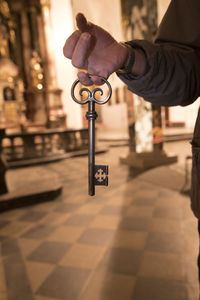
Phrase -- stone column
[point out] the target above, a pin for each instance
(53, 93)
(26, 46)
(49, 47)
(140, 22)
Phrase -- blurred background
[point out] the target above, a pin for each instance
(137, 239)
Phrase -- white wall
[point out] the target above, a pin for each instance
(106, 14)
(62, 26)
(185, 114)
(101, 12)
(162, 7)
(115, 116)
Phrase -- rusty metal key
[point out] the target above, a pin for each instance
(97, 174)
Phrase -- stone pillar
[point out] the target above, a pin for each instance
(49, 49)
(53, 93)
(43, 97)
(26, 46)
(140, 22)
(36, 104)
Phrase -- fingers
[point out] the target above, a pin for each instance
(70, 44)
(96, 80)
(79, 57)
(76, 47)
(82, 23)
(85, 79)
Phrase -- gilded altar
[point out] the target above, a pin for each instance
(29, 95)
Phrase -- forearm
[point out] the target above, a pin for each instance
(171, 76)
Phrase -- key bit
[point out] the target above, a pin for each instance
(101, 175)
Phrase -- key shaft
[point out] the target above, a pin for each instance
(91, 116)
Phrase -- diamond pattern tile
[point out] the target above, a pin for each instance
(49, 252)
(134, 240)
(65, 283)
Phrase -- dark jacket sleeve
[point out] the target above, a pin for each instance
(173, 71)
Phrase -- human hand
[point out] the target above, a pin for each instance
(93, 49)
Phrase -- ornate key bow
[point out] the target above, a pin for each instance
(97, 174)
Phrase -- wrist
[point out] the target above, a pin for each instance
(128, 59)
(139, 65)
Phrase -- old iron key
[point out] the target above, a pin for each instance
(97, 174)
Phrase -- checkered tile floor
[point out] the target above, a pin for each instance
(133, 241)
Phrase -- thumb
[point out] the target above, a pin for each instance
(82, 23)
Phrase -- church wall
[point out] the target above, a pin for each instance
(162, 7)
(107, 14)
(62, 26)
